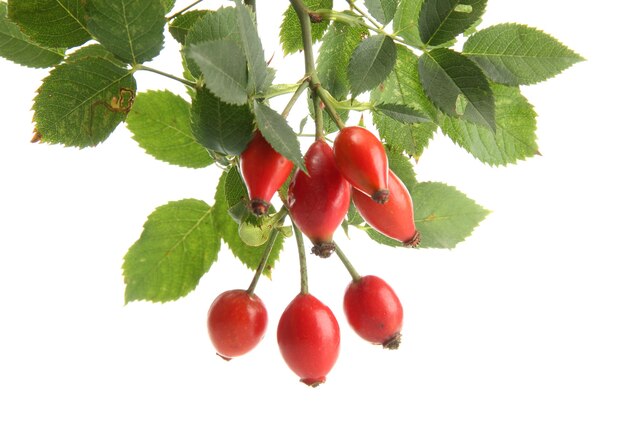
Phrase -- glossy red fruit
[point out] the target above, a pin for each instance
(393, 219)
(361, 158)
(319, 201)
(374, 311)
(237, 322)
(308, 338)
(263, 170)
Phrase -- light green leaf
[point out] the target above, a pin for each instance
(278, 133)
(131, 29)
(445, 74)
(402, 166)
(179, 27)
(251, 43)
(80, 103)
(17, 47)
(51, 23)
(219, 126)
(160, 122)
(178, 245)
(230, 185)
(514, 138)
(224, 68)
(382, 10)
(402, 113)
(371, 63)
(291, 32)
(440, 21)
(515, 54)
(405, 22)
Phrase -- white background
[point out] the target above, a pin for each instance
(519, 331)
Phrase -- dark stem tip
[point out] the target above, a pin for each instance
(414, 240)
(259, 207)
(393, 342)
(313, 382)
(223, 357)
(323, 250)
(381, 196)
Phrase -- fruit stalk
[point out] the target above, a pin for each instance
(346, 262)
(304, 278)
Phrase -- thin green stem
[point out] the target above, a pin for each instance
(280, 218)
(346, 262)
(319, 117)
(304, 278)
(278, 90)
(182, 11)
(303, 85)
(329, 106)
(170, 76)
(364, 14)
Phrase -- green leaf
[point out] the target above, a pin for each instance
(382, 10)
(291, 32)
(180, 26)
(402, 166)
(514, 138)
(131, 29)
(160, 122)
(446, 74)
(80, 103)
(219, 126)
(94, 51)
(213, 26)
(168, 5)
(224, 68)
(337, 47)
(257, 67)
(51, 23)
(371, 63)
(515, 54)
(230, 182)
(403, 87)
(443, 215)
(178, 245)
(440, 21)
(278, 133)
(17, 47)
(402, 113)
(405, 22)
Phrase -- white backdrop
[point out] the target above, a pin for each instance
(519, 331)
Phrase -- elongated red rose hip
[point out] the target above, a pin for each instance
(374, 311)
(319, 201)
(308, 338)
(393, 219)
(263, 170)
(362, 160)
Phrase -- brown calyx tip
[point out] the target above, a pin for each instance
(414, 240)
(223, 357)
(313, 382)
(259, 207)
(381, 196)
(393, 343)
(323, 250)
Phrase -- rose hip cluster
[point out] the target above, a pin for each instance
(318, 201)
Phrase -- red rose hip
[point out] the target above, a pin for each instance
(374, 311)
(362, 160)
(393, 219)
(319, 201)
(237, 322)
(308, 338)
(263, 170)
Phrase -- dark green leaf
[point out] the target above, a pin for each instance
(131, 29)
(218, 126)
(447, 76)
(80, 103)
(278, 133)
(515, 54)
(257, 67)
(291, 32)
(514, 138)
(94, 51)
(179, 27)
(402, 113)
(230, 183)
(178, 245)
(405, 21)
(234, 189)
(382, 10)
(371, 63)
(168, 5)
(224, 68)
(440, 21)
(160, 122)
(17, 47)
(51, 23)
